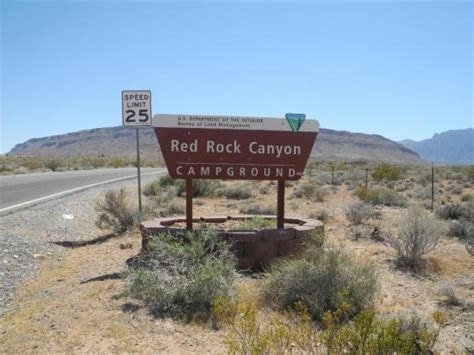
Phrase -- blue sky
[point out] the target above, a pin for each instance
(402, 69)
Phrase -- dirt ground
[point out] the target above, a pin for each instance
(77, 303)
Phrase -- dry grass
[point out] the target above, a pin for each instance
(57, 311)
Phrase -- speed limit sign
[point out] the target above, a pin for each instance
(136, 108)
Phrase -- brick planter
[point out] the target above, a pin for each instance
(251, 247)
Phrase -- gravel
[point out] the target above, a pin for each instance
(26, 235)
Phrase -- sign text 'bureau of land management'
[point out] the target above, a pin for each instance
(241, 148)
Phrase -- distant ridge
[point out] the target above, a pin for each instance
(455, 147)
(120, 142)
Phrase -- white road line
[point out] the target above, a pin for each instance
(73, 190)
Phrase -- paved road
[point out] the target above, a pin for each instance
(18, 191)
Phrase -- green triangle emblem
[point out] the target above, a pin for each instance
(295, 120)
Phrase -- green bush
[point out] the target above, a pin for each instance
(290, 333)
(114, 212)
(184, 275)
(418, 232)
(381, 196)
(158, 185)
(256, 223)
(237, 192)
(317, 279)
(386, 172)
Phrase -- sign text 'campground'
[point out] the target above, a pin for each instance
(242, 148)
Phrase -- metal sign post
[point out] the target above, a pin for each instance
(136, 112)
(139, 174)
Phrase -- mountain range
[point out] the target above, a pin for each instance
(455, 147)
(120, 142)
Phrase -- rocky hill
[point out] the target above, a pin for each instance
(120, 142)
(454, 147)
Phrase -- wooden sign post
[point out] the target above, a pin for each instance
(189, 204)
(235, 148)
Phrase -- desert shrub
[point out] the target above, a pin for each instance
(368, 334)
(470, 172)
(470, 246)
(185, 274)
(247, 335)
(114, 212)
(320, 177)
(117, 163)
(305, 189)
(33, 164)
(158, 185)
(152, 189)
(320, 214)
(469, 211)
(386, 172)
(467, 197)
(450, 297)
(264, 189)
(418, 232)
(201, 188)
(321, 193)
(451, 211)
(294, 205)
(169, 193)
(455, 189)
(52, 164)
(173, 207)
(316, 280)
(461, 229)
(381, 196)
(237, 192)
(359, 213)
(295, 332)
(354, 177)
(21, 170)
(255, 208)
(423, 178)
(423, 193)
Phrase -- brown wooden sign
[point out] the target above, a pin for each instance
(237, 148)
